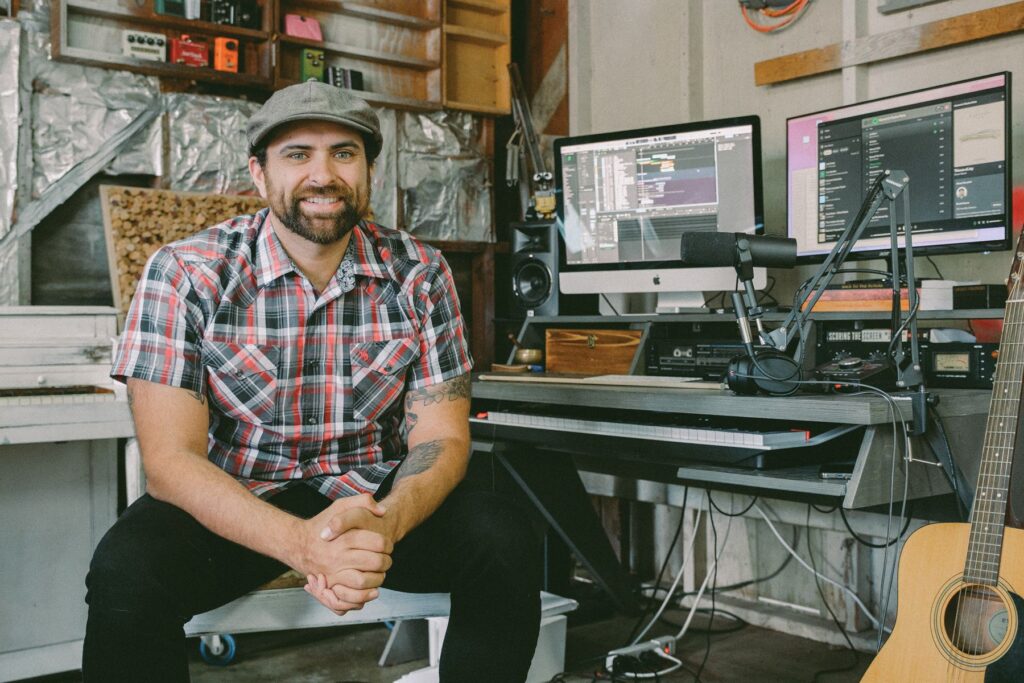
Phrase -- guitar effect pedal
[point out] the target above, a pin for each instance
(225, 54)
(345, 78)
(244, 13)
(142, 45)
(312, 65)
(186, 51)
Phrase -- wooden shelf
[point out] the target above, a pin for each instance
(354, 9)
(476, 54)
(476, 107)
(163, 69)
(382, 99)
(488, 6)
(453, 52)
(388, 58)
(107, 11)
(476, 35)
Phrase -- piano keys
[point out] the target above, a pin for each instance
(54, 382)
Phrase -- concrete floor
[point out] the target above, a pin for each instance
(349, 655)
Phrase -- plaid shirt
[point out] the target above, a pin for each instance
(301, 387)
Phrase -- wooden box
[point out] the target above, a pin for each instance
(590, 352)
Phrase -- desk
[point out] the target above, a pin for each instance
(547, 471)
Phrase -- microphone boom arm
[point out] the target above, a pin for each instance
(888, 185)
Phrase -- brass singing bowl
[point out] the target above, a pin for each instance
(529, 356)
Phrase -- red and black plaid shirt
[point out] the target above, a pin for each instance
(301, 387)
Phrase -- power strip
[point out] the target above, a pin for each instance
(666, 644)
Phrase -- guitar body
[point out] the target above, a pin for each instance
(947, 630)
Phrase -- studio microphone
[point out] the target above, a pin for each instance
(723, 249)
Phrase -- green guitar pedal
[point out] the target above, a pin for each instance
(311, 66)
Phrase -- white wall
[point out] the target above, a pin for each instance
(650, 62)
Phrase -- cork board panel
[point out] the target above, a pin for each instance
(138, 221)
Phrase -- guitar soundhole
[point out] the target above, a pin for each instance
(976, 620)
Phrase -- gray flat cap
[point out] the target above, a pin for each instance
(316, 101)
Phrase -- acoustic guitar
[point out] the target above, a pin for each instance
(960, 585)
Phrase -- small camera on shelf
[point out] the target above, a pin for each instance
(143, 45)
(190, 52)
(311, 66)
(225, 54)
(345, 78)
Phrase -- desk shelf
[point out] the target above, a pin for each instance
(837, 408)
(792, 480)
(963, 411)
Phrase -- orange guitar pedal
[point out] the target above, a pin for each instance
(225, 54)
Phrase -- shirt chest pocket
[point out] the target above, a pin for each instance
(378, 375)
(242, 380)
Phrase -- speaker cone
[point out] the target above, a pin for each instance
(531, 283)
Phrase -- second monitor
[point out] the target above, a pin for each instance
(625, 199)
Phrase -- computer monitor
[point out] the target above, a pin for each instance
(952, 140)
(625, 198)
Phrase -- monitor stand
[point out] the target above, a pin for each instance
(681, 302)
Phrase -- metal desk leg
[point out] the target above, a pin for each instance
(554, 486)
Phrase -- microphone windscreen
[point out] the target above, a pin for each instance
(708, 248)
(772, 252)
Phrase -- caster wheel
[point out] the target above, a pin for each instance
(219, 652)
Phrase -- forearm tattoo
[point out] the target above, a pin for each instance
(420, 459)
(452, 390)
(199, 396)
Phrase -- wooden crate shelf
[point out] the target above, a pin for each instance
(391, 59)
(138, 17)
(396, 44)
(475, 35)
(165, 70)
(413, 54)
(368, 12)
(382, 99)
(476, 55)
(69, 18)
(488, 6)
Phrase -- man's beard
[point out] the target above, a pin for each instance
(352, 212)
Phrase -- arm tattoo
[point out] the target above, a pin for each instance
(452, 390)
(420, 459)
(199, 396)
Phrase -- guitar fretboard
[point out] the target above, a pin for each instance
(989, 512)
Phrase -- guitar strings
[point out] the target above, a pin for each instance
(990, 502)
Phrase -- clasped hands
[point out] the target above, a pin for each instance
(347, 550)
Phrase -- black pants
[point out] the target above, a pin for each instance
(157, 567)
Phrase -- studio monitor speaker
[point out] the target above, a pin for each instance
(531, 280)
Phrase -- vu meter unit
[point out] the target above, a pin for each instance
(143, 45)
(959, 365)
(225, 54)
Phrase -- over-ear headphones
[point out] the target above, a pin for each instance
(768, 371)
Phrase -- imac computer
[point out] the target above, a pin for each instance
(626, 198)
(953, 141)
